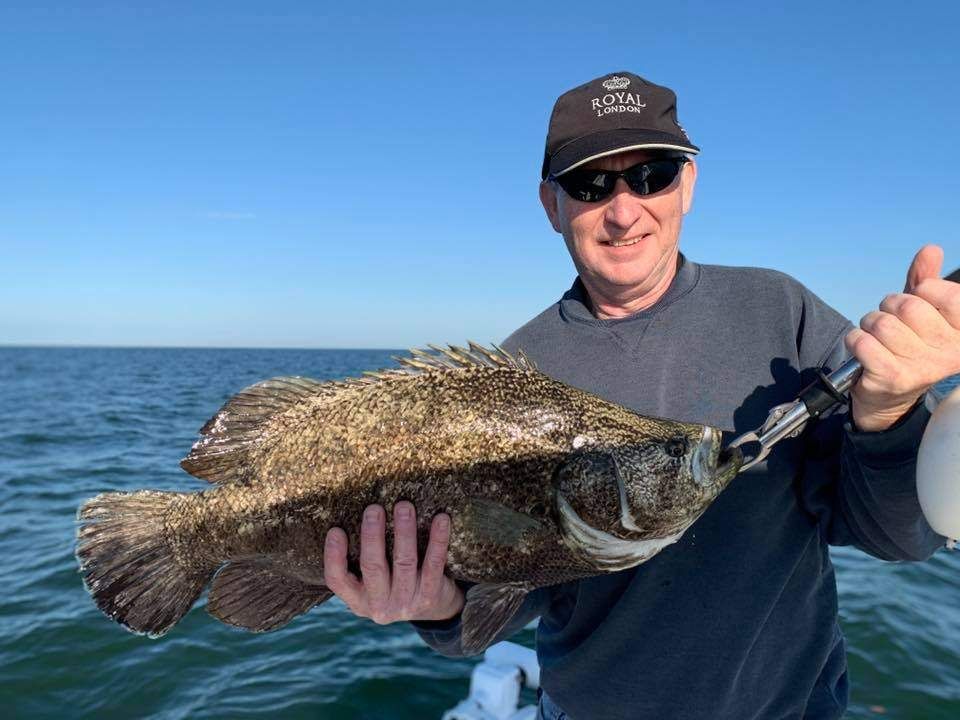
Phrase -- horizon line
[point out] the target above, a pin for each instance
(84, 346)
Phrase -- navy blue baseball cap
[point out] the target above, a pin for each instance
(611, 114)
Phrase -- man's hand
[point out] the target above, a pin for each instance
(908, 345)
(403, 594)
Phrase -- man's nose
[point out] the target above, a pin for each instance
(623, 206)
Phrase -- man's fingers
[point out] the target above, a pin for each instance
(918, 314)
(927, 264)
(892, 333)
(435, 559)
(373, 559)
(409, 594)
(944, 295)
(869, 351)
(335, 574)
(404, 556)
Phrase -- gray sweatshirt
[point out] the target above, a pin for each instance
(739, 618)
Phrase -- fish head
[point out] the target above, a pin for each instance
(644, 490)
(668, 480)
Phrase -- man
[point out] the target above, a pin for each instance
(739, 618)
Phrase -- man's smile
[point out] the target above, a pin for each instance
(625, 242)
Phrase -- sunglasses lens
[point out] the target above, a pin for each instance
(644, 179)
(588, 185)
(652, 177)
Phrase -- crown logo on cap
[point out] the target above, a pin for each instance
(616, 83)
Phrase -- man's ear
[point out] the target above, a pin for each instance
(688, 180)
(548, 198)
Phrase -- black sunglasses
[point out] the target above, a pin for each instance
(643, 178)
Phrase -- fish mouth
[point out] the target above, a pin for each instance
(705, 457)
(713, 465)
(728, 465)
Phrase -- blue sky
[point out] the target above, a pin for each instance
(365, 175)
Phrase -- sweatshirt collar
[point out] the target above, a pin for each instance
(575, 305)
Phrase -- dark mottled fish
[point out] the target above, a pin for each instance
(544, 483)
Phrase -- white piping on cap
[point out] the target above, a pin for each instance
(645, 146)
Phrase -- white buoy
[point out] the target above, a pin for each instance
(938, 468)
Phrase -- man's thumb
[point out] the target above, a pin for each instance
(926, 264)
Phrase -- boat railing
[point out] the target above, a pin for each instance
(495, 685)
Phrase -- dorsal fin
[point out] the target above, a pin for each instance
(454, 357)
(243, 423)
(227, 437)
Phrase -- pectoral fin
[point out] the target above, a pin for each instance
(489, 607)
(494, 522)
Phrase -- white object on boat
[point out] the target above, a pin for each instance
(938, 466)
(495, 685)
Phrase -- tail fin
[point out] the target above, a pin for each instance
(128, 563)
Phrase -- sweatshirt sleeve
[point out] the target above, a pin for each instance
(444, 635)
(862, 486)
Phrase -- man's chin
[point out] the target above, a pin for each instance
(626, 275)
(626, 279)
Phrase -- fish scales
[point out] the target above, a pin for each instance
(544, 483)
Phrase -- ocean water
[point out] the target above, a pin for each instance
(76, 422)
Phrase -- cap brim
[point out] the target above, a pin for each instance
(596, 145)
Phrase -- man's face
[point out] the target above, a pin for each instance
(625, 244)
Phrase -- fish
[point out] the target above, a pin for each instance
(544, 483)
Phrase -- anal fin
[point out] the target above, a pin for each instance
(488, 609)
(255, 596)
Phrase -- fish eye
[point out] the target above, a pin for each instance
(676, 447)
